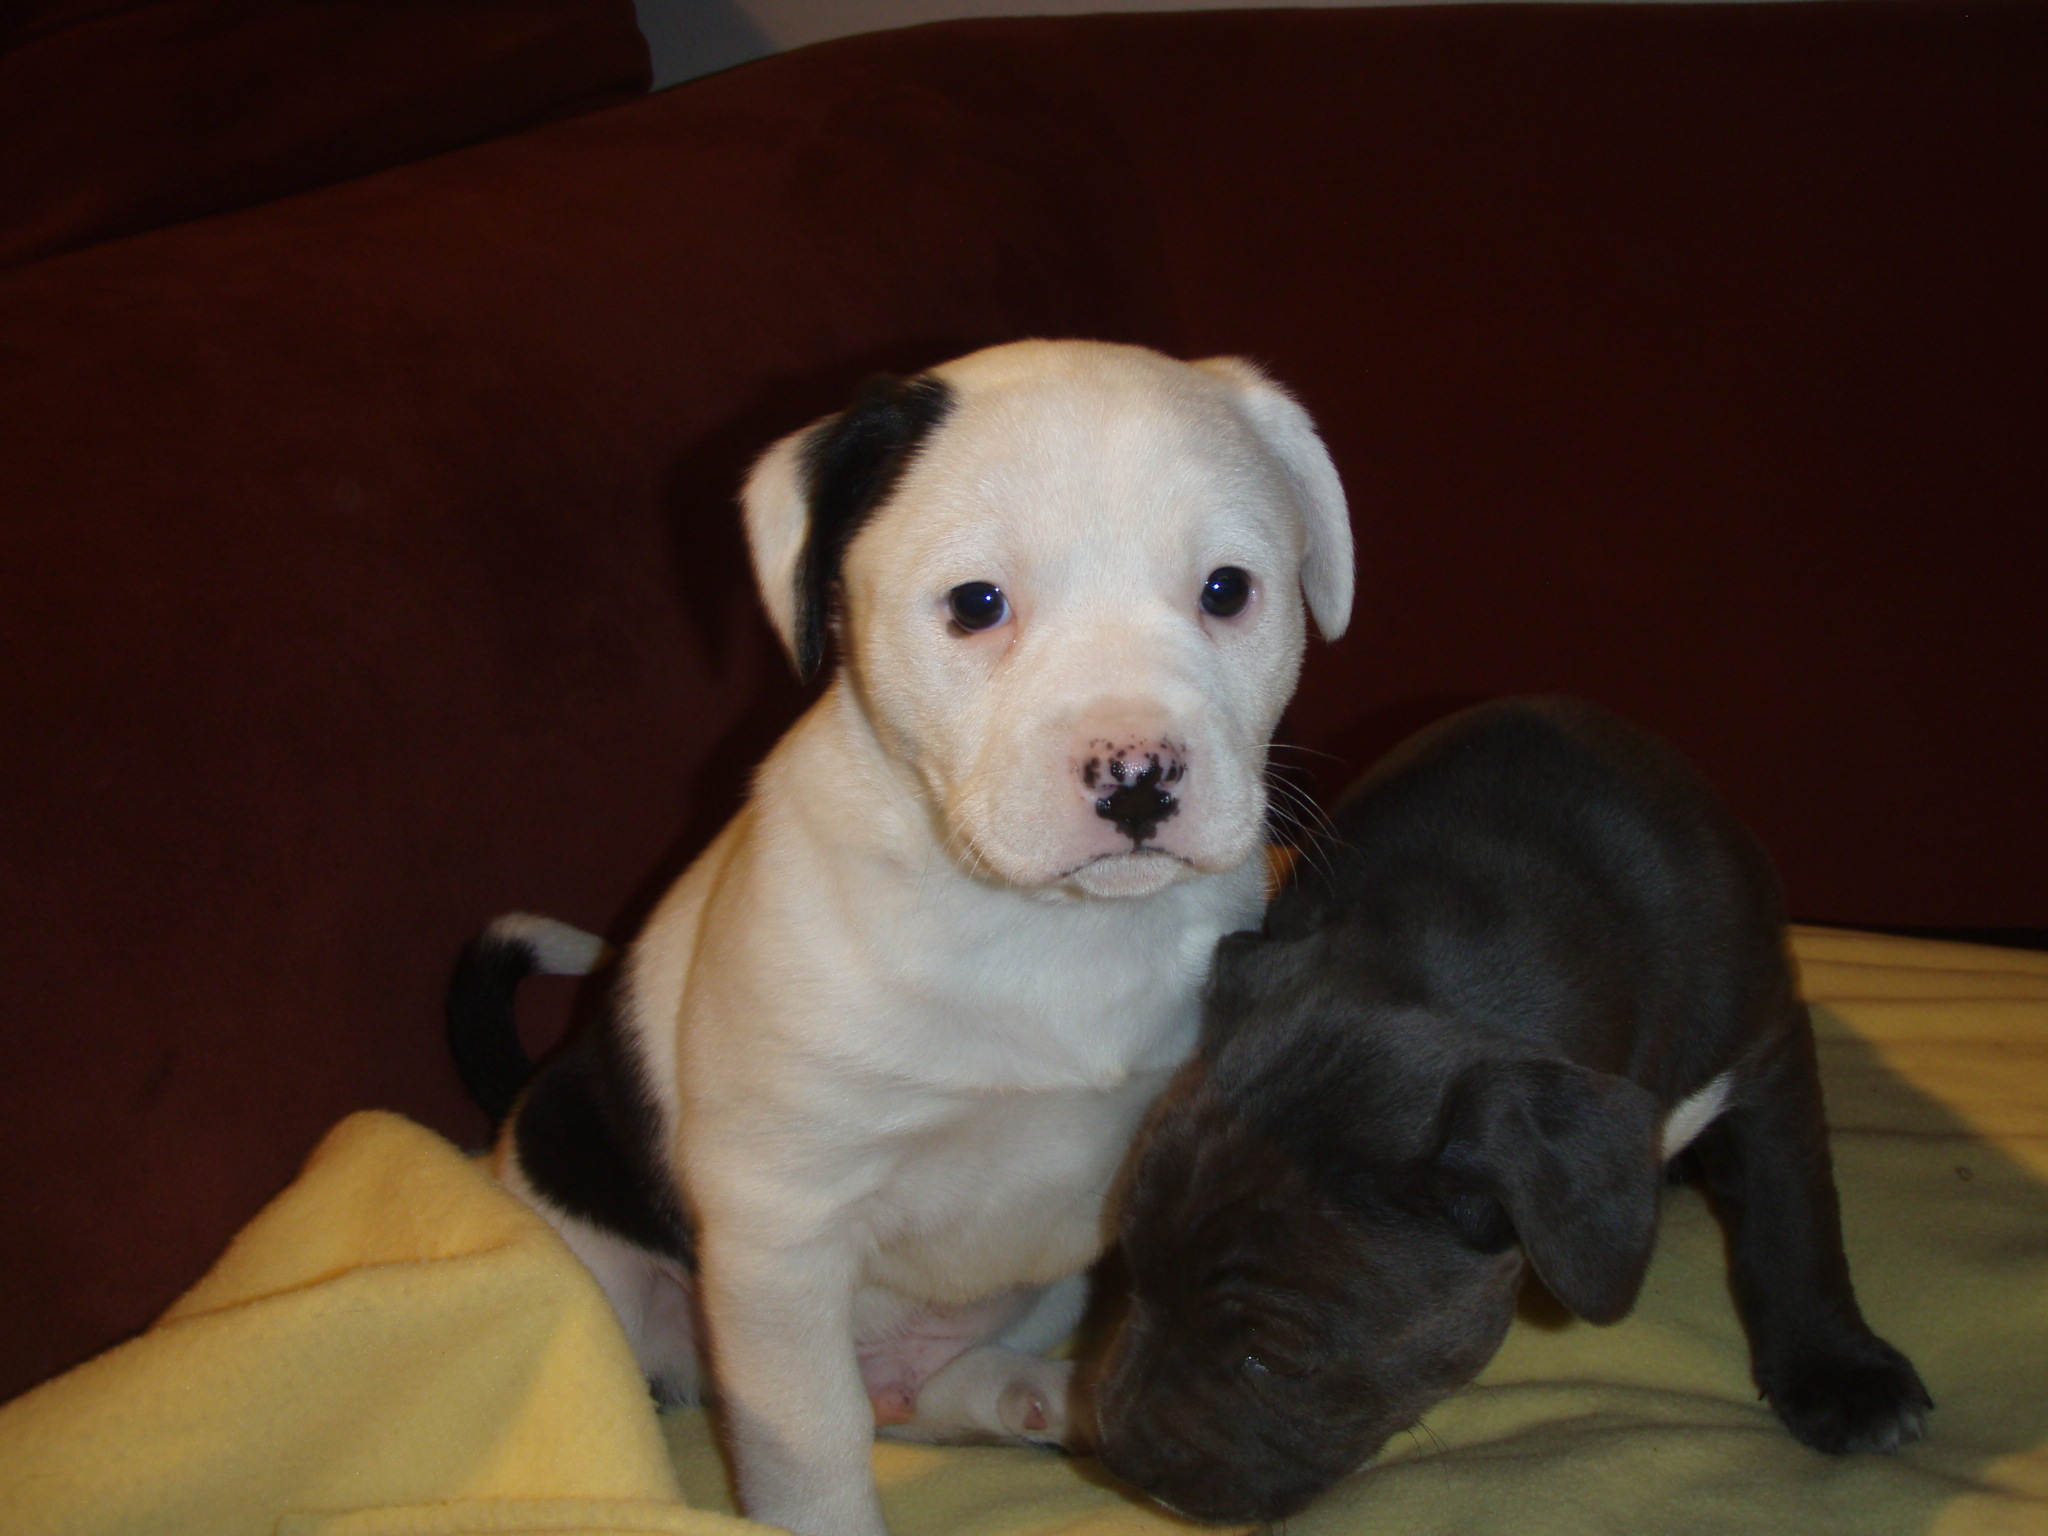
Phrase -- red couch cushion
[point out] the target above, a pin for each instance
(118, 117)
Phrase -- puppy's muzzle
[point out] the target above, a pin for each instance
(1134, 786)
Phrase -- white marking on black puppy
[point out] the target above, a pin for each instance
(1693, 1114)
(1535, 959)
(887, 1039)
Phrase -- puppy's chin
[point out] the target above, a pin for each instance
(1130, 874)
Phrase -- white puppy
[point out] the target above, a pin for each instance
(876, 1056)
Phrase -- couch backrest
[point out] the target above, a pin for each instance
(369, 562)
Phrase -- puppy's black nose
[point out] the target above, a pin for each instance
(1134, 790)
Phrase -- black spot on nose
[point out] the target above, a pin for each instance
(1140, 800)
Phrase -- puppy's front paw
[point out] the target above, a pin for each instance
(1034, 1410)
(893, 1403)
(989, 1396)
(1866, 1397)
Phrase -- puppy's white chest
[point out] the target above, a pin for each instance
(1050, 1000)
(1009, 1191)
(1029, 1057)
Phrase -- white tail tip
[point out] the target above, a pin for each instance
(558, 949)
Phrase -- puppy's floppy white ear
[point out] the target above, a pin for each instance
(776, 506)
(1327, 569)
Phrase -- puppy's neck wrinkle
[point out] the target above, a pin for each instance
(849, 788)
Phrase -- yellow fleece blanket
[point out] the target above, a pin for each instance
(393, 1346)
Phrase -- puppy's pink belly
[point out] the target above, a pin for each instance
(893, 1369)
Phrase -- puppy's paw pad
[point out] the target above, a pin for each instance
(893, 1404)
(1028, 1413)
(1866, 1399)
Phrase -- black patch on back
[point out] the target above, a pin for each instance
(850, 465)
(589, 1135)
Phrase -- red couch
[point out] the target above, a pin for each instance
(369, 562)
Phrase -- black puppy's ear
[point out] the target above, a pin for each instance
(1571, 1155)
(809, 494)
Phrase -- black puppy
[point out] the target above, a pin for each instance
(1535, 960)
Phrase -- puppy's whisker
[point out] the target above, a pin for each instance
(1295, 746)
(1316, 835)
(1301, 807)
(1297, 802)
(1307, 824)
(958, 842)
(1319, 839)
(1282, 746)
(961, 850)
(955, 845)
(1298, 833)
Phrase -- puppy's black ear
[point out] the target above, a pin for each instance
(1571, 1155)
(809, 494)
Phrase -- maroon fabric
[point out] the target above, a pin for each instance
(370, 563)
(117, 116)
(1695, 361)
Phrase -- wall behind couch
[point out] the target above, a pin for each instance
(688, 38)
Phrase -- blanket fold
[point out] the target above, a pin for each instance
(393, 1339)
(394, 1347)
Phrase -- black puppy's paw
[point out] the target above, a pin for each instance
(1865, 1396)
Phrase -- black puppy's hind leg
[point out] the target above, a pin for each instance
(1837, 1385)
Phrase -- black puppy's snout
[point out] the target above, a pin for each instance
(1157, 1438)
(1210, 1482)
(1143, 1461)
(1161, 1465)
(1135, 787)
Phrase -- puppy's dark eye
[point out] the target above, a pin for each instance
(977, 606)
(1480, 1222)
(1226, 592)
(1280, 1366)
